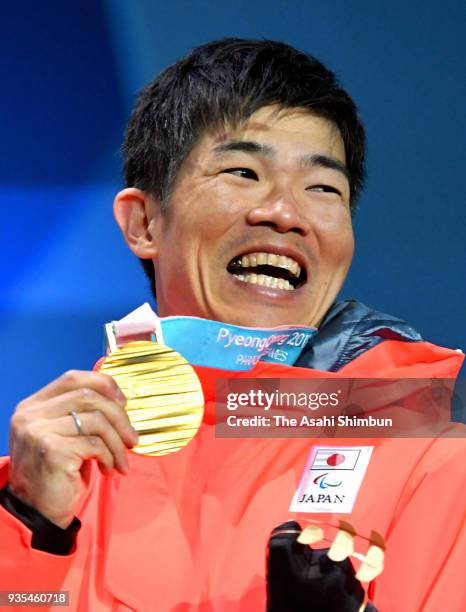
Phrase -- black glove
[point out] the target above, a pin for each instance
(300, 579)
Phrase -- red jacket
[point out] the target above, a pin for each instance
(188, 531)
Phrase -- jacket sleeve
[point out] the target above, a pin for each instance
(46, 536)
(426, 542)
(23, 568)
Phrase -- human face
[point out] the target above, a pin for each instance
(249, 206)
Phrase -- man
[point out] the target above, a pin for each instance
(243, 165)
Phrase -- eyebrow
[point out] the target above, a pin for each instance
(258, 148)
(325, 161)
(245, 146)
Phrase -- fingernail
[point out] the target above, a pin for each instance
(134, 435)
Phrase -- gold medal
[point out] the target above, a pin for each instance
(164, 396)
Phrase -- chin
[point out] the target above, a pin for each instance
(249, 319)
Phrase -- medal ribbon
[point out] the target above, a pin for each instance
(211, 343)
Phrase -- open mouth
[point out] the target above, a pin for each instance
(268, 270)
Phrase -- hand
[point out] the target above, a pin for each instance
(300, 579)
(50, 458)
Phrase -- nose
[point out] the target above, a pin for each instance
(281, 214)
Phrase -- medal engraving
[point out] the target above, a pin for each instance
(165, 402)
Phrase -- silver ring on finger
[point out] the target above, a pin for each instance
(77, 422)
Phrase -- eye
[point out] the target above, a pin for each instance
(246, 173)
(324, 189)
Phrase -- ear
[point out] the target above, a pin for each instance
(136, 213)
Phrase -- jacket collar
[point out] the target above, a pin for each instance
(349, 329)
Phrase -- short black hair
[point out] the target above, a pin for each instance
(223, 83)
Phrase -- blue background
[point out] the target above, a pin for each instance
(69, 75)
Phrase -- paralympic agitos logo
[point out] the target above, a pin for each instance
(322, 482)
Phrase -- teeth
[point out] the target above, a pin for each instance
(265, 281)
(261, 259)
(281, 261)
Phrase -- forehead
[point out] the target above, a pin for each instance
(284, 128)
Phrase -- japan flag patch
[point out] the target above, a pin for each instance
(331, 479)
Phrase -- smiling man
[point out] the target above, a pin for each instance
(243, 164)
(260, 215)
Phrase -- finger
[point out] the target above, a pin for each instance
(284, 551)
(81, 401)
(82, 448)
(95, 424)
(290, 527)
(60, 454)
(76, 379)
